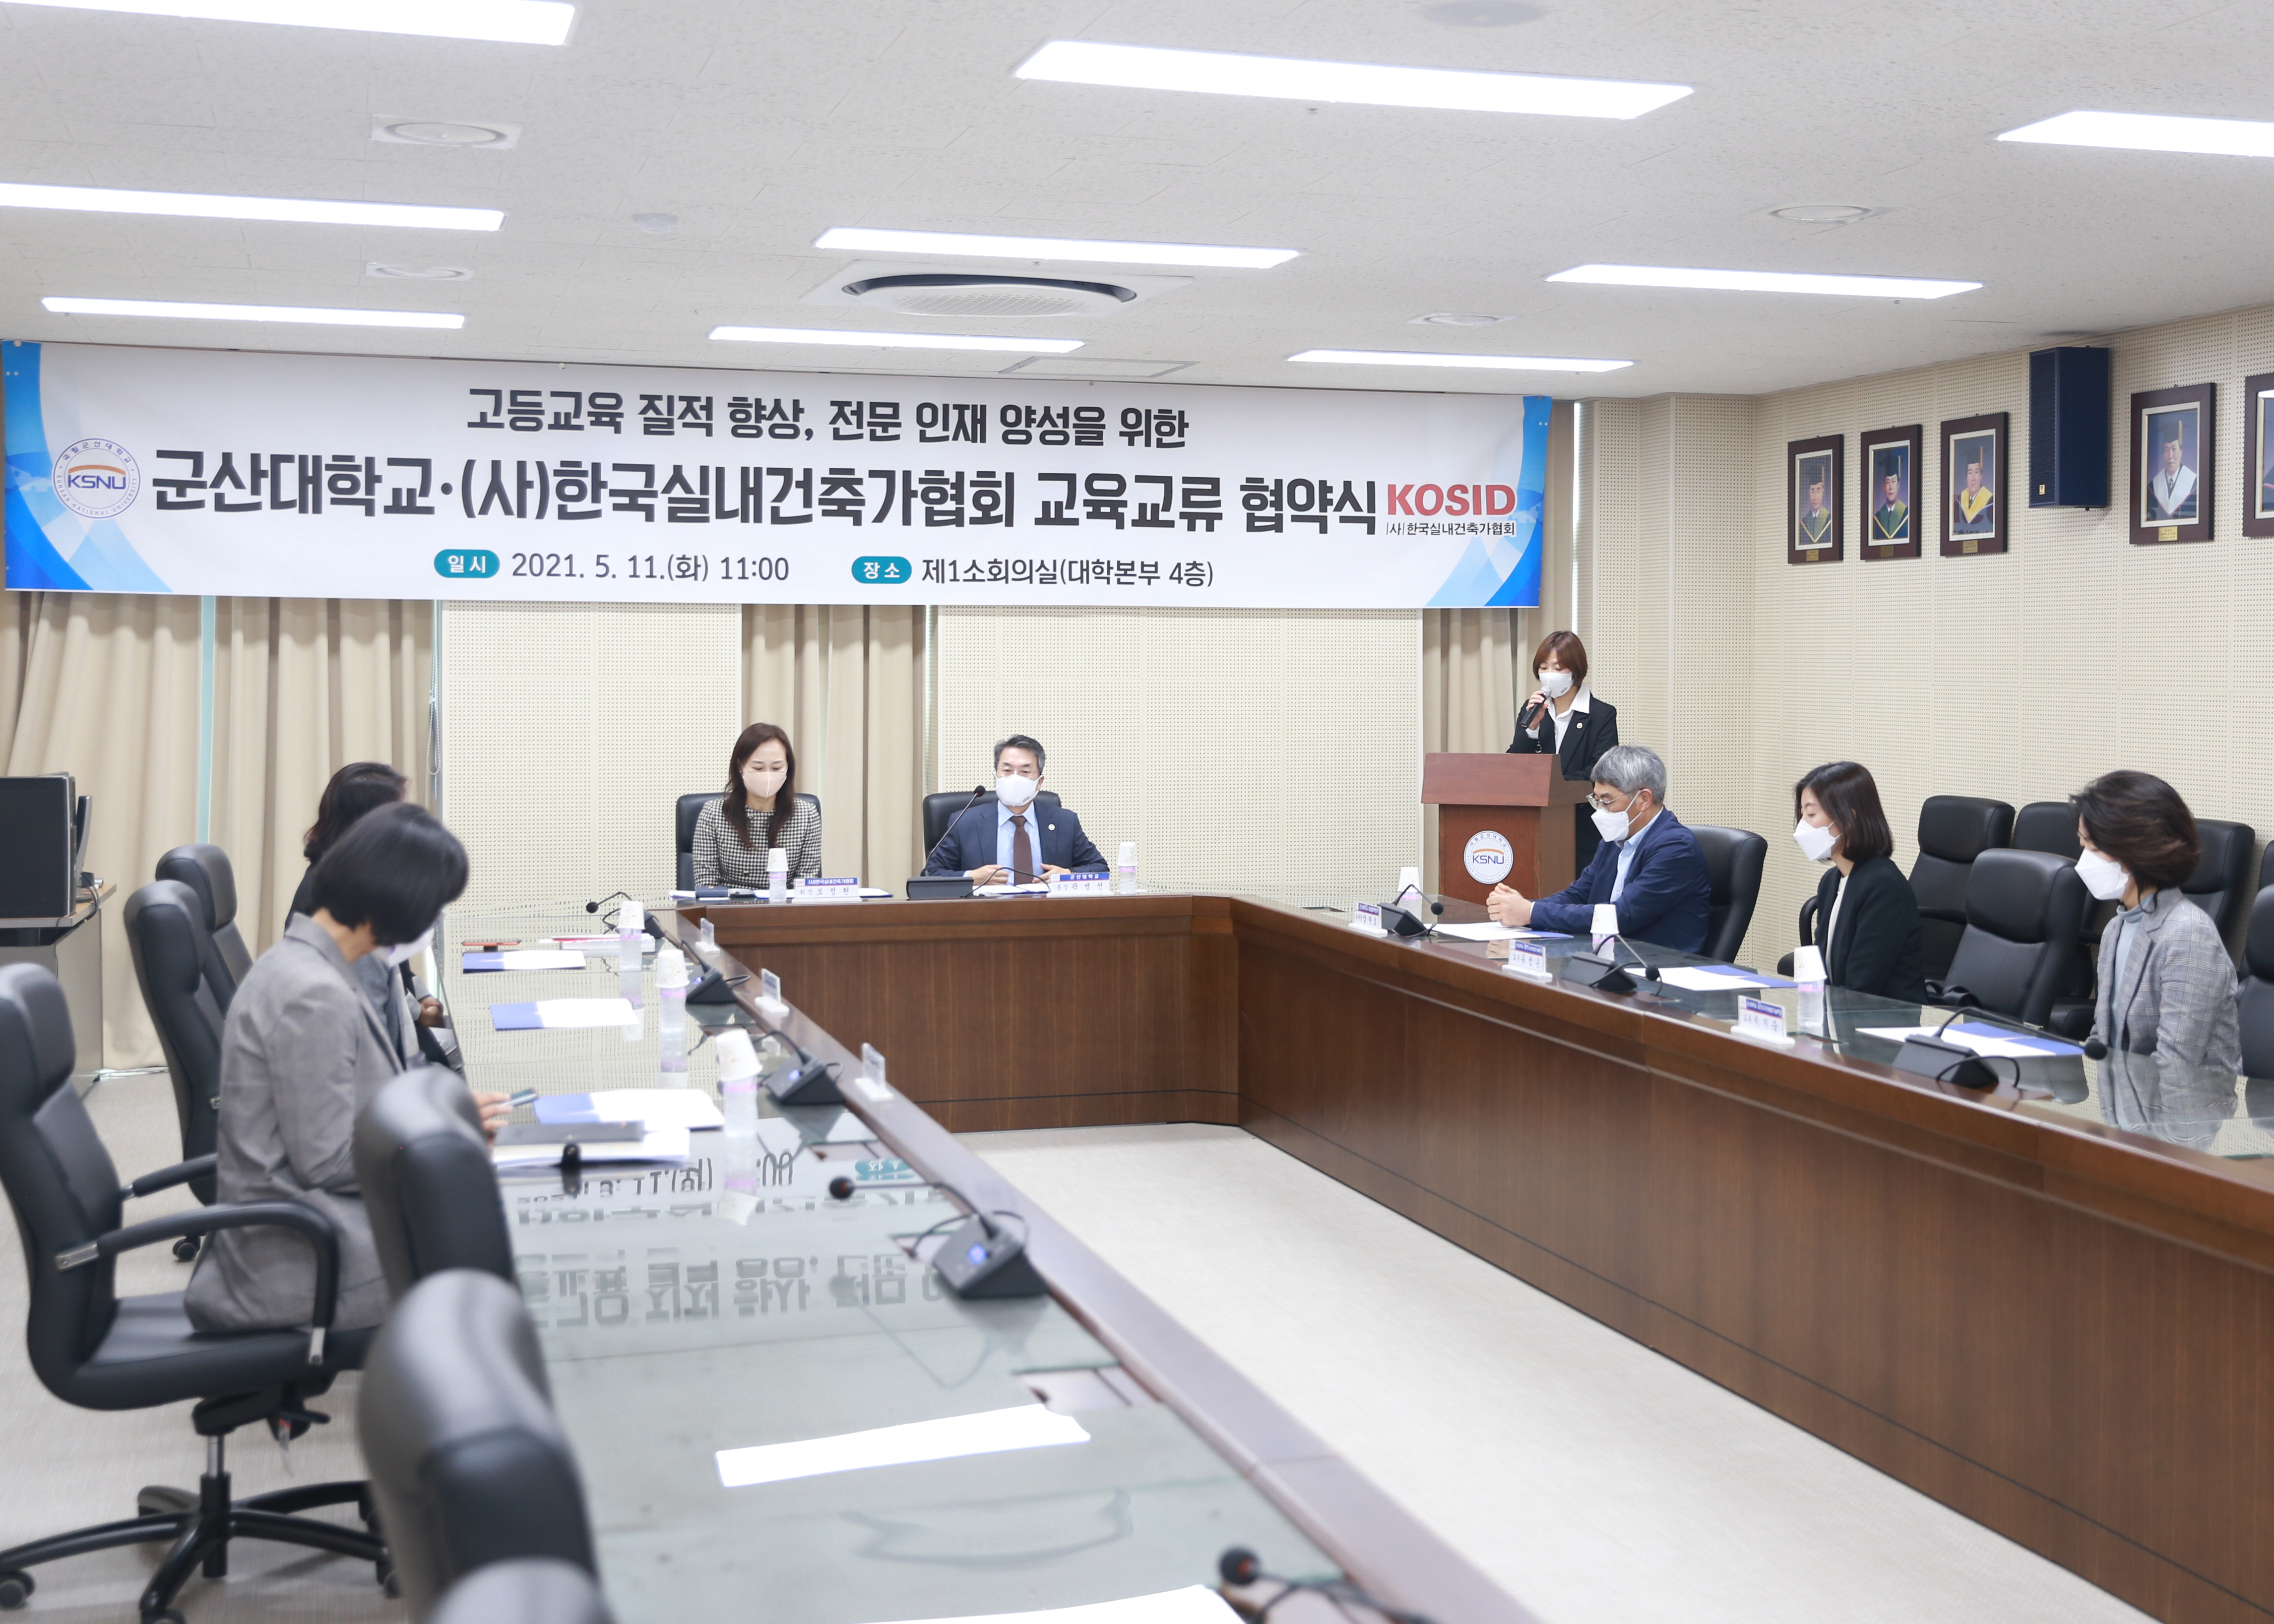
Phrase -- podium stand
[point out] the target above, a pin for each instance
(1520, 798)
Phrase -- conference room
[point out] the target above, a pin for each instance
(1586, 933)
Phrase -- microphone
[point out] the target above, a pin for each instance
(1924, 1055)
(807, 1082)
(1602, 971)
(1404, 923)
(979, 1260)
(594, 907)
(976, 793)
(1239, 1565)
(1534, 717)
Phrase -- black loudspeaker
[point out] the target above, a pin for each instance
(37, 875)
(2068, 427)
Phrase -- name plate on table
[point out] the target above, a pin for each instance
(1527, 958)
(770, 998)
(828, 890)
(1756, 1018)
(1367, 916)
(1095, 882)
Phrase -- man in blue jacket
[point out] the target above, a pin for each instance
(1011, 838)
(1648, 867)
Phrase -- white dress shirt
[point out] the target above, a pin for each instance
(1563, 718)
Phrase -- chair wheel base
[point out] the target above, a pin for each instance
(185, 1249)
(15, 1590)
(157, 1500)
(167, 1615)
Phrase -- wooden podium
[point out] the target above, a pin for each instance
(1519, 798)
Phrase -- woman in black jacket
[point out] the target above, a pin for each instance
(1867, 919)
(1563, 718)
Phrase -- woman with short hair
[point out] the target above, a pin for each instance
(1564, 719)
(355, 789)
(1867, 917)
(760, 809)
(2166, 983)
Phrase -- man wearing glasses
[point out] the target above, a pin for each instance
(1648, 867)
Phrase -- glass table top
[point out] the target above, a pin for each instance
(733, 1303)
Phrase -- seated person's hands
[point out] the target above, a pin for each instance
(1509, 907)
(430, 1012)
(990, 874)
(497, 1111)
(1049, 871)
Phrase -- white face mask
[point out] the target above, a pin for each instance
(1613, 825)
(403, 951)
(1816, 843)
(2104, 876)
(1015, 791)
(1554, 684)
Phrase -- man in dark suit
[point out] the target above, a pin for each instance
(1006, 837)
(1649, 867)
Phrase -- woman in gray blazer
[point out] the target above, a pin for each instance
(2166, 983)
(303, 1050)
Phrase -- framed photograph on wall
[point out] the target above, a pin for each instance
(1974, 486)
(1890, 458)
(1814, 500)
(2170, 464)
(2258, 455)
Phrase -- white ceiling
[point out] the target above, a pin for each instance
(761, 123)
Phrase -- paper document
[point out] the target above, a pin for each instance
(874, 891)
(659, 1144)
(561, 1014)
(1718, 978)
(1195, 1603)
(1494, 933)
(657, 1108)
(1990, 1042)
(524, 958)
(1039, 888)
(991, 1431)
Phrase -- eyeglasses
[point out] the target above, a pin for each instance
(1603, 803)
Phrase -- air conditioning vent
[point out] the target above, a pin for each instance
(934, 293)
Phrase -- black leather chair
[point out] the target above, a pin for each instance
(2023, 911)
(468, 1463)
(97, 1350)
(2047, 826)
(684, 817)
(1734, 860)
(176, 961)
(427, 1183)
(940, 809)
(2254, 998)
(1952, 832)
(2220, 885)
(532, 1590)
(206, 870)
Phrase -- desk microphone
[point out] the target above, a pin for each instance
(594, 907)
(979, 1260)
(1925, 1055)
(1601, 970)
(1405, 922)
(976, 793)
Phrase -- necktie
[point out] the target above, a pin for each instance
(1023, 850)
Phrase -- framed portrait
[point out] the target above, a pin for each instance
(2258, 455)
(2170, 464)
(1812, 500)
(1890, 459)
(1974, 486)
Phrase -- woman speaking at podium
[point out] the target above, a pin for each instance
(1563, 718)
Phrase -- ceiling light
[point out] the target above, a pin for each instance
(2240, 138)
(1455, 318)
(868, 241)
(1822, 213)
(254, 312)
(1490, 363)
(204, 206)
(1142, 67)
(894, 340)
(513, 22)
(1763, 282)
(992, 1432)
(440, 133)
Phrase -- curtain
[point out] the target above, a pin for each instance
(105, 687)
(847, 683)
(1470, 669)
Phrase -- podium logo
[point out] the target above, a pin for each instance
(1488, 857)
(97, 479)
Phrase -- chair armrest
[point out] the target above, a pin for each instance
(1951, 997)
(323, 1239)
(166, 1178)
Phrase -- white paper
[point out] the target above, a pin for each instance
(1709, 980)
(556, 1014)
(1022, 1426)
(1489, 932)
(540, 958)
(1038, 888)
(1989, 1048)
(1194, 1605)
(660, 1107)
(874, 891)
(657, 1144)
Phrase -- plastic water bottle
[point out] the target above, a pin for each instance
(1808, 970)
(1124, 869)
(738, 1083)
(671, 1014)
(777, 873)
(627, 950)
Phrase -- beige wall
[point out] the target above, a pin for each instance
(2019, 676)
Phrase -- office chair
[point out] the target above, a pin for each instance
(2220, 885)
(531, 1589)
(97, 1350)
(685, 815)
(940, 809)
(206, 870)
(178, 966)
(468, 1463)
(2254, 999)
(1734, 858)
(1952, 832)
(427, 1183)
(2047, 826)
(2022, 911)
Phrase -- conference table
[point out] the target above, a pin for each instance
(2047, 1304)
(734, 1304)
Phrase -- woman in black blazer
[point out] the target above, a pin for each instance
(1867, 919)
(1563, 718)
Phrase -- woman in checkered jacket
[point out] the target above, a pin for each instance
(761, 808)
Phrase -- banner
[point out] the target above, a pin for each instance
(254, 475)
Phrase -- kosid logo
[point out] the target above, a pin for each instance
(97, 479)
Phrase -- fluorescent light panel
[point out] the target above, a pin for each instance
(1292, 78)
(894, 340)
(209, 206)
(2238, 138)
(1489, 363)
(254, 312)
(991, 1431)
(513, 22)
(1763, 282)
(867, 241)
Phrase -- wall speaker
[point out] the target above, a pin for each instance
(2068, 427)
